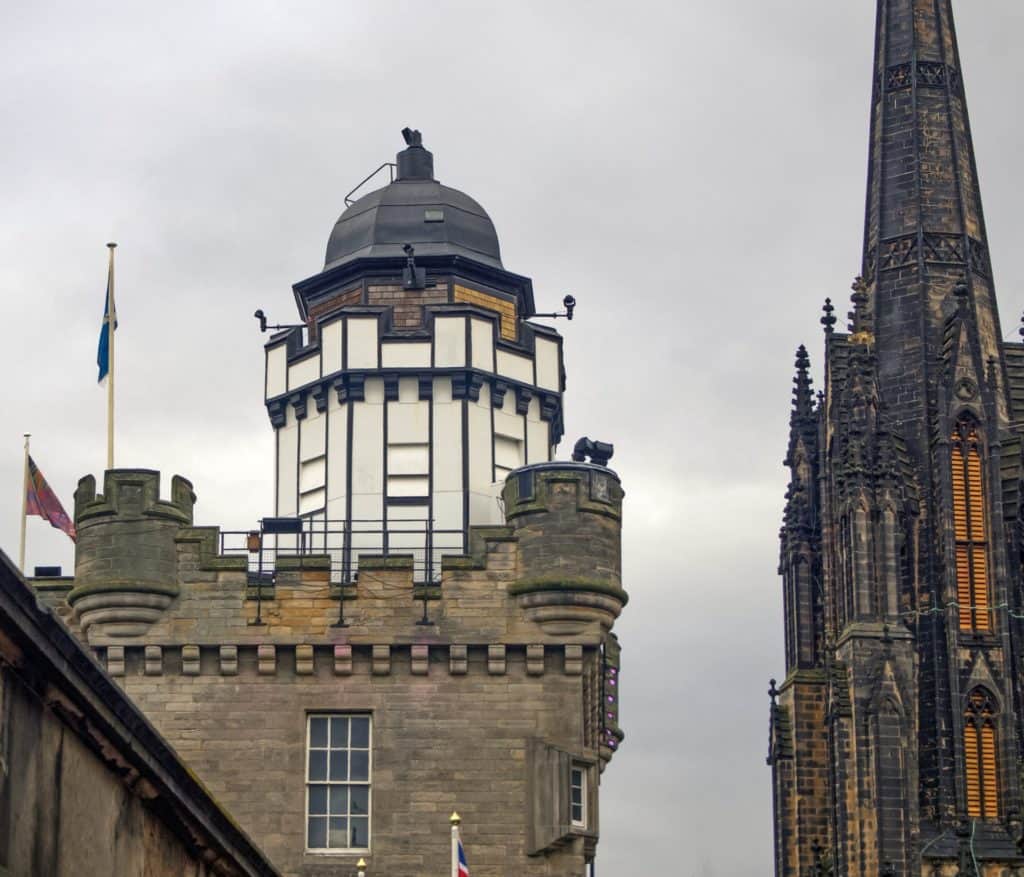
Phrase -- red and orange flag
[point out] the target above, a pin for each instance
(41, 500)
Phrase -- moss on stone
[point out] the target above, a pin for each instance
(563, 584)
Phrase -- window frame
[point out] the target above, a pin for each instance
(581, 769)
(307, 783)
(971, 560)
(980, 716)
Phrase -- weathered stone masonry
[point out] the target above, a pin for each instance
(478, 711)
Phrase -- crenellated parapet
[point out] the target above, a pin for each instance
(552, 572)
(126, 564)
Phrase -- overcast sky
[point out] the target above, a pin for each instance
(692, 172)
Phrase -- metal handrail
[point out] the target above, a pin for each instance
(344, 541)
(349, 200)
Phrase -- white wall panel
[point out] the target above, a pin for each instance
(362, 342)
(367, 448)
(537, 441)
(403, 354)
(277, 371)
(408, 390)
(336, 509)
(330, 346)
(508, 455)
(304, 372)
(408, 459)
(312, 432)
(447, 443)
(311, 474)
(511, 365)
(510, 425)
(337, 452)
(547, 364)
(311, 501)
(374, 391)
(483, 507)
(480, 443)
(483, 344)
(287, 461)
(449, 341)
(408, 422)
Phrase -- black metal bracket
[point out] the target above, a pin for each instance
(570, 305)
(262, 317)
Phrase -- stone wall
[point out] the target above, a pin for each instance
(64, 812)
(484, 709)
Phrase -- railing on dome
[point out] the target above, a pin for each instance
(344, 542)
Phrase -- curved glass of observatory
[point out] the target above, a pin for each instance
(415, 382)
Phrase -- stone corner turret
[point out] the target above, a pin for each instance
(567, 517)
(126, 570)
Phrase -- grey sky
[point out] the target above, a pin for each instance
(693, 172)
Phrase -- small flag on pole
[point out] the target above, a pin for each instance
(41, 500)
(103, 353)
(459, 866)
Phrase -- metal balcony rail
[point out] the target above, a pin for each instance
(344, 542)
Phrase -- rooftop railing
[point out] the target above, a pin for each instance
(343, 542)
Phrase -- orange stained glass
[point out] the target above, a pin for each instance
(981, 759)
(972, 763)
(977, 503)
(969, 526)
(963, 585)
(979, 597)
(990, 779)
(959, 496)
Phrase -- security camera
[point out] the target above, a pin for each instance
(570, 303)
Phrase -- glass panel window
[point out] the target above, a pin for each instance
(980, 756)
(338, 771)
(578, 796)
(970, 529)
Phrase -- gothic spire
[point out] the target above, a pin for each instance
(802, 423)
(803, 397)
(924, 227)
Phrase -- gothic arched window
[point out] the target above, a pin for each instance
(970, 528)
(982, 775)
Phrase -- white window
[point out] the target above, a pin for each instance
(338, 765)
(578, 796)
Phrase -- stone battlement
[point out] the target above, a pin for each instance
(142, 569)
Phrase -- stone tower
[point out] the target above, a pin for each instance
(896, 735)
(424, 623)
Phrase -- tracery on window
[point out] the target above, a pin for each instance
(971, 530)
(980, 758)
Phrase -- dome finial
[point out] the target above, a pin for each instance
(414, 162)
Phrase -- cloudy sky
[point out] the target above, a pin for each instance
(692, 172)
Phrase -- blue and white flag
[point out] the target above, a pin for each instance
(103, 353)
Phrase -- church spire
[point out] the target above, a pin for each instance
(924, 227)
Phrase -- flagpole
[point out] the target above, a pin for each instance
(24, 508)
(111, 322)
(455, 820)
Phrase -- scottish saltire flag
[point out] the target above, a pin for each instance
(41, 500)
(463, 867)
(103, 354)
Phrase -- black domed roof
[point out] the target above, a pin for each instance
(414, 209)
